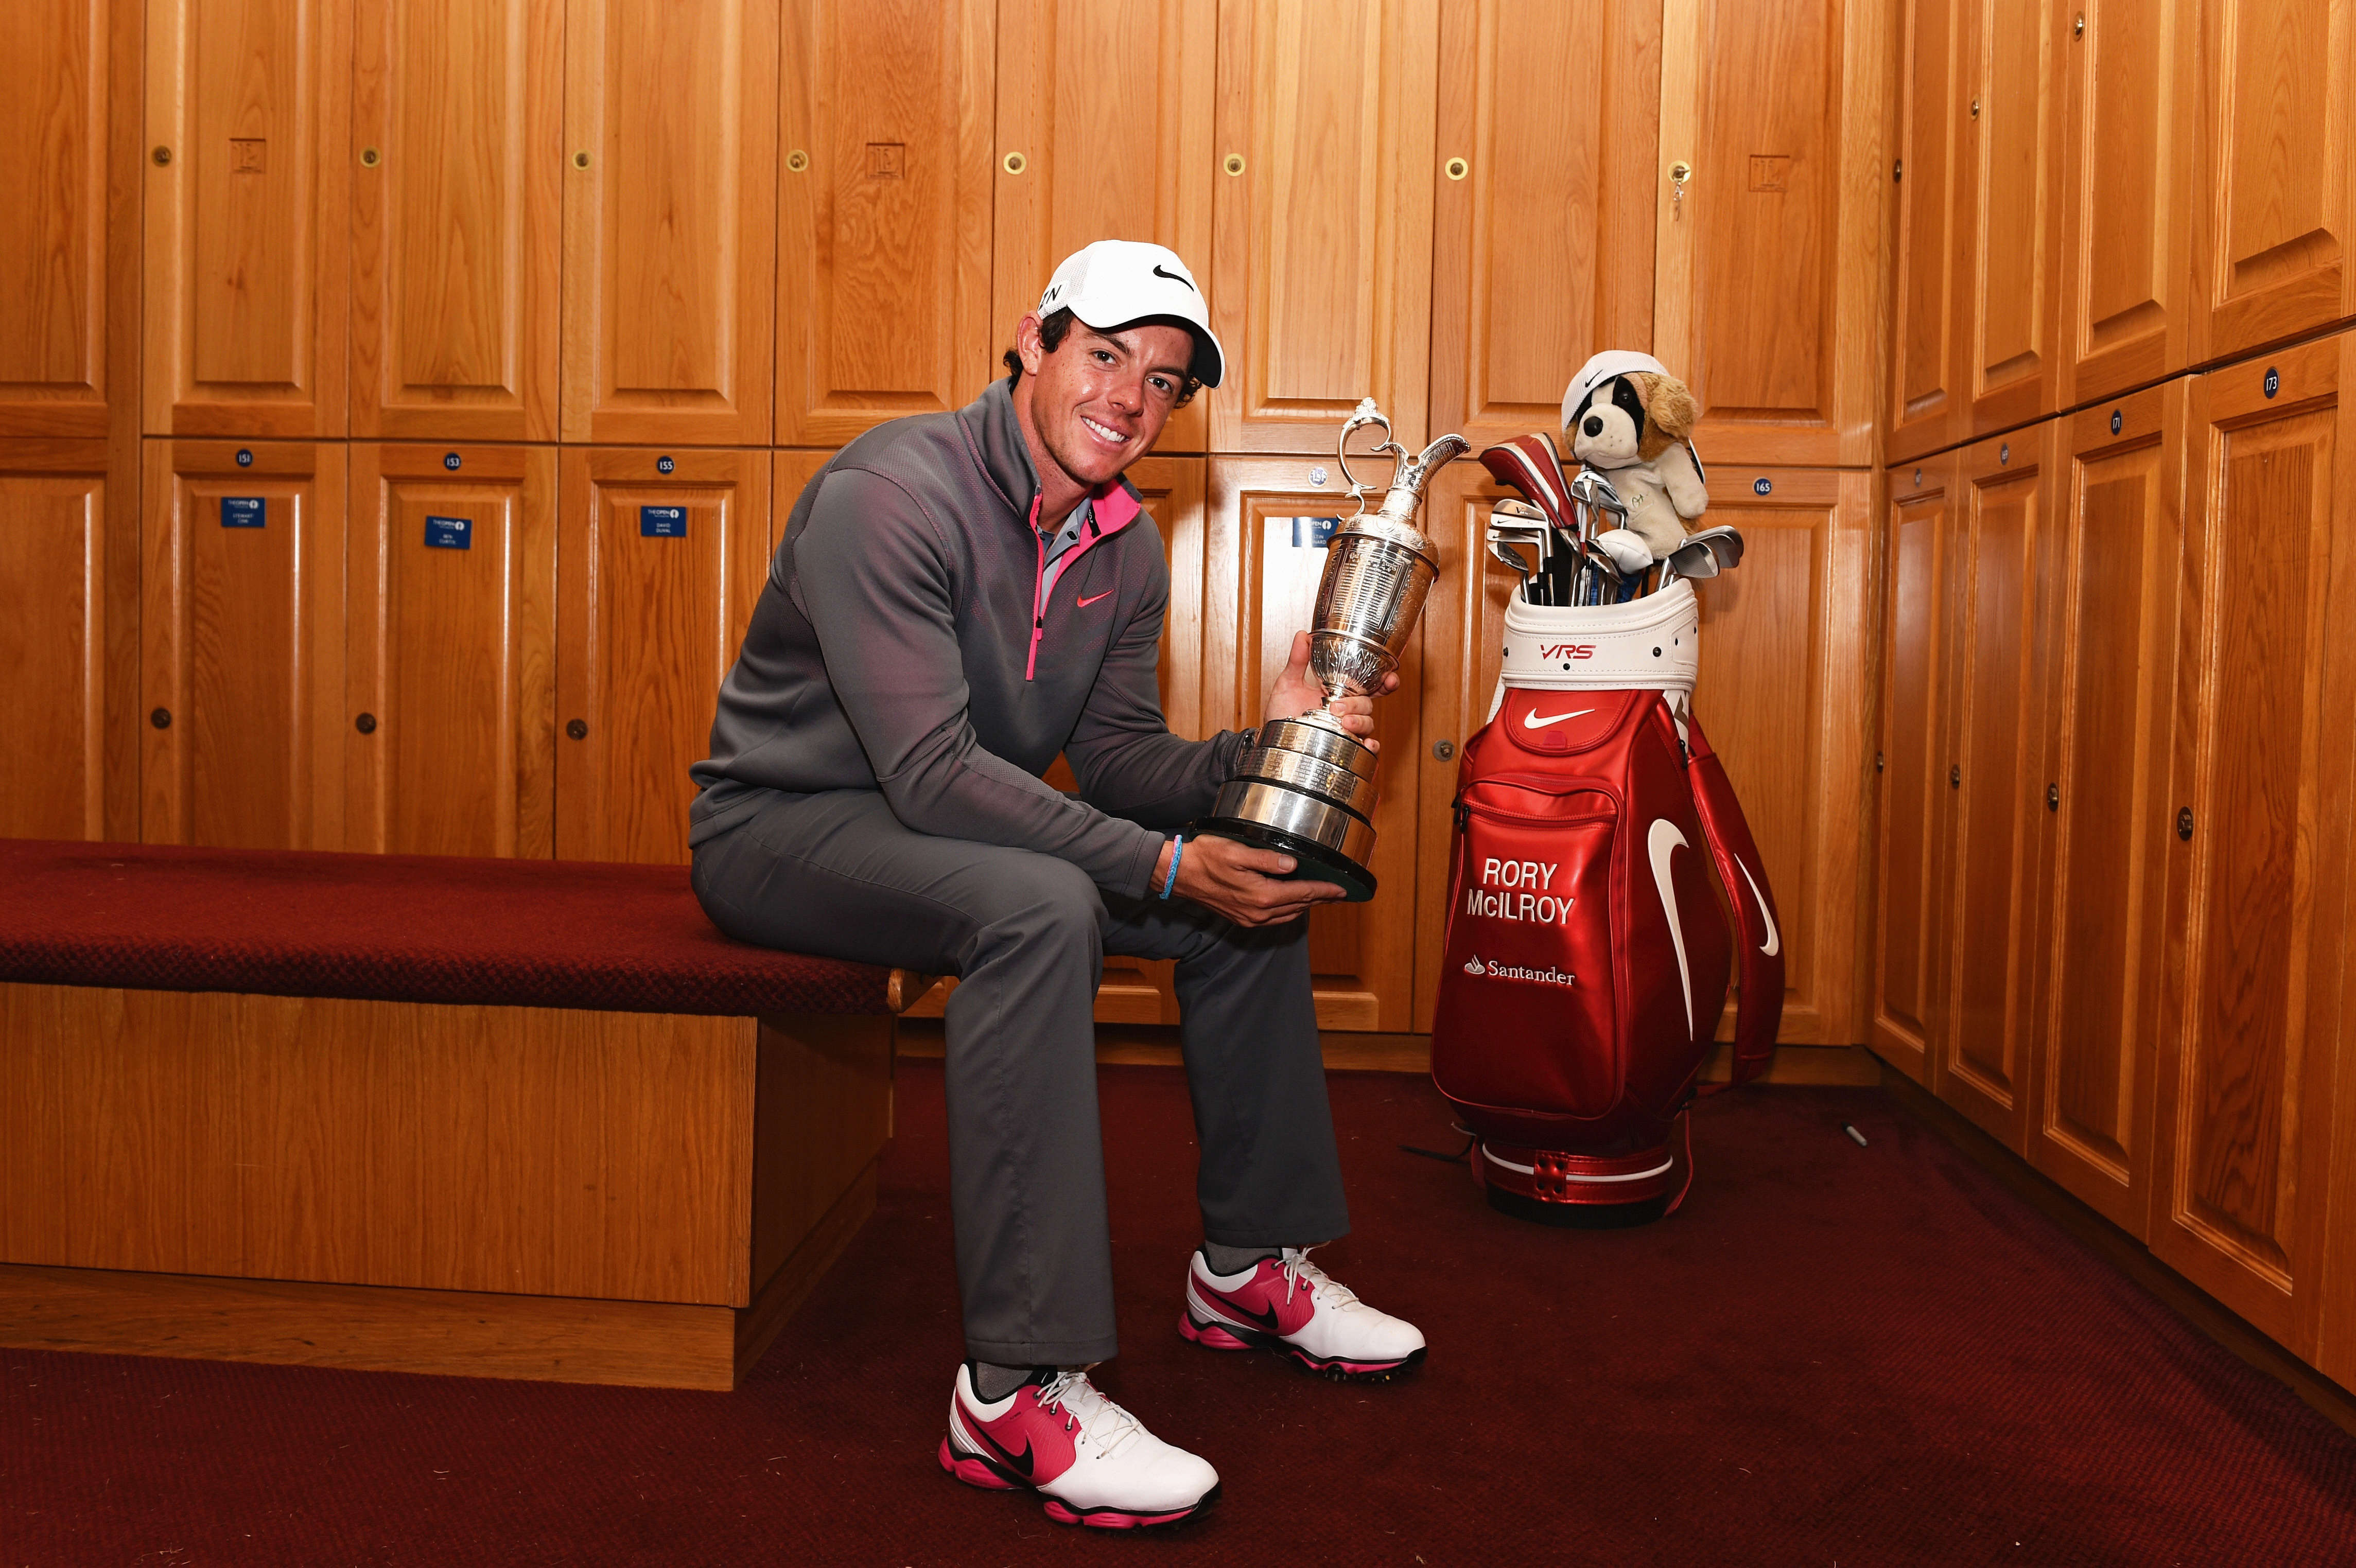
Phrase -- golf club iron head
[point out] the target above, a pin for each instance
(1708, 553)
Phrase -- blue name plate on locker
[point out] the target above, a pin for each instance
(244, 511)
(1313, 533)
(662, 522)
(449, 533)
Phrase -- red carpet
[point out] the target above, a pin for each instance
(1833, 1354)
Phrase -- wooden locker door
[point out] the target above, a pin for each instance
(883, 211)
(1463, 643)
(457, 116)
(1138, 990)
(1321, 273)
(450, 718)
(67, 659)
(1925, 409)
(248, 228)
(1911, 886)
(2274, 181)
(1542, 206)
(1104, 132)
(1785, 698)
(2001, 827)
(1767, 278)
(1260, 587)
(70, 256)
(2126, 106)
(671, 220)
(2006, 180)
(656, 572)
(2118, 519)
(242, 639)
(2263, 768)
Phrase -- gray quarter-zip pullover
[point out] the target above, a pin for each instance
(915, 638)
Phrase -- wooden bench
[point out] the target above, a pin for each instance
(505, 1118)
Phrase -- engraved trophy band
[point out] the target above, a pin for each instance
(1307, 786)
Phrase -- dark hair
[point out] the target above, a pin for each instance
(1055, 325)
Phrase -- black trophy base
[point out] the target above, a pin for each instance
(1313, 861)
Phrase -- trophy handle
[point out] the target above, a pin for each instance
(1368, 413)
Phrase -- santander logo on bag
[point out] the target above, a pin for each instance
(1588, 950)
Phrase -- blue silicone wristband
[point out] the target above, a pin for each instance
(1177, 850)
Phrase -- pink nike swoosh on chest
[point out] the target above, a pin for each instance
(1083, 603)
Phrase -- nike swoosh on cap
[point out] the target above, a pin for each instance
(1083, 603)
(1173, 277)
(1532, 720)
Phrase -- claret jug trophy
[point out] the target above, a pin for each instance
(1306, 786)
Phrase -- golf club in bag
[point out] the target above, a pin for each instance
(1587, 955)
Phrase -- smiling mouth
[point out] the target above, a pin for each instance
(1104, 434)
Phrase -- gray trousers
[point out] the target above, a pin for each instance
(836, 875)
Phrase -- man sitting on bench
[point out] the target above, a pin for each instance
(958, 598)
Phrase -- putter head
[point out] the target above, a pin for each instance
(1626, 548)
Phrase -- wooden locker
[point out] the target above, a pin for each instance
(1542, 205)
(248, 222)
(1321, 272)
(1262, 562)
(2001, 828)
(67, 654)
(1914, 807)
(457, 118)
(1925, 408)
(2274, 181)
(2260, 855)
(656, 571)
(2119, 551)
(241, 637)
(450, 721)
(2127, 90)
(1104, 132)
(1767, 272)
(883, 210)
(671, 220)
(70, 256)
(2006, 175)
(1784, 697)
(1462, 639)
(1137, 990)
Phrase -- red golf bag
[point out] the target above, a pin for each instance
(1588, 950)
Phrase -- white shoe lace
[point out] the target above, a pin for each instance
(1325, 1292)
(1106, 1425)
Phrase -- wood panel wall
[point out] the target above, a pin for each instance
(407, 273)
(2112, 852)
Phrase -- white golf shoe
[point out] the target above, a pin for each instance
(1289, 1304)
(1094, 1462)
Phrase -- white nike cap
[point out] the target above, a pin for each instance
(1115, 283)
(1603, 368)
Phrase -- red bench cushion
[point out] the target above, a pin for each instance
(401, 928)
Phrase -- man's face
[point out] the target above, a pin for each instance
(1097, 403)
